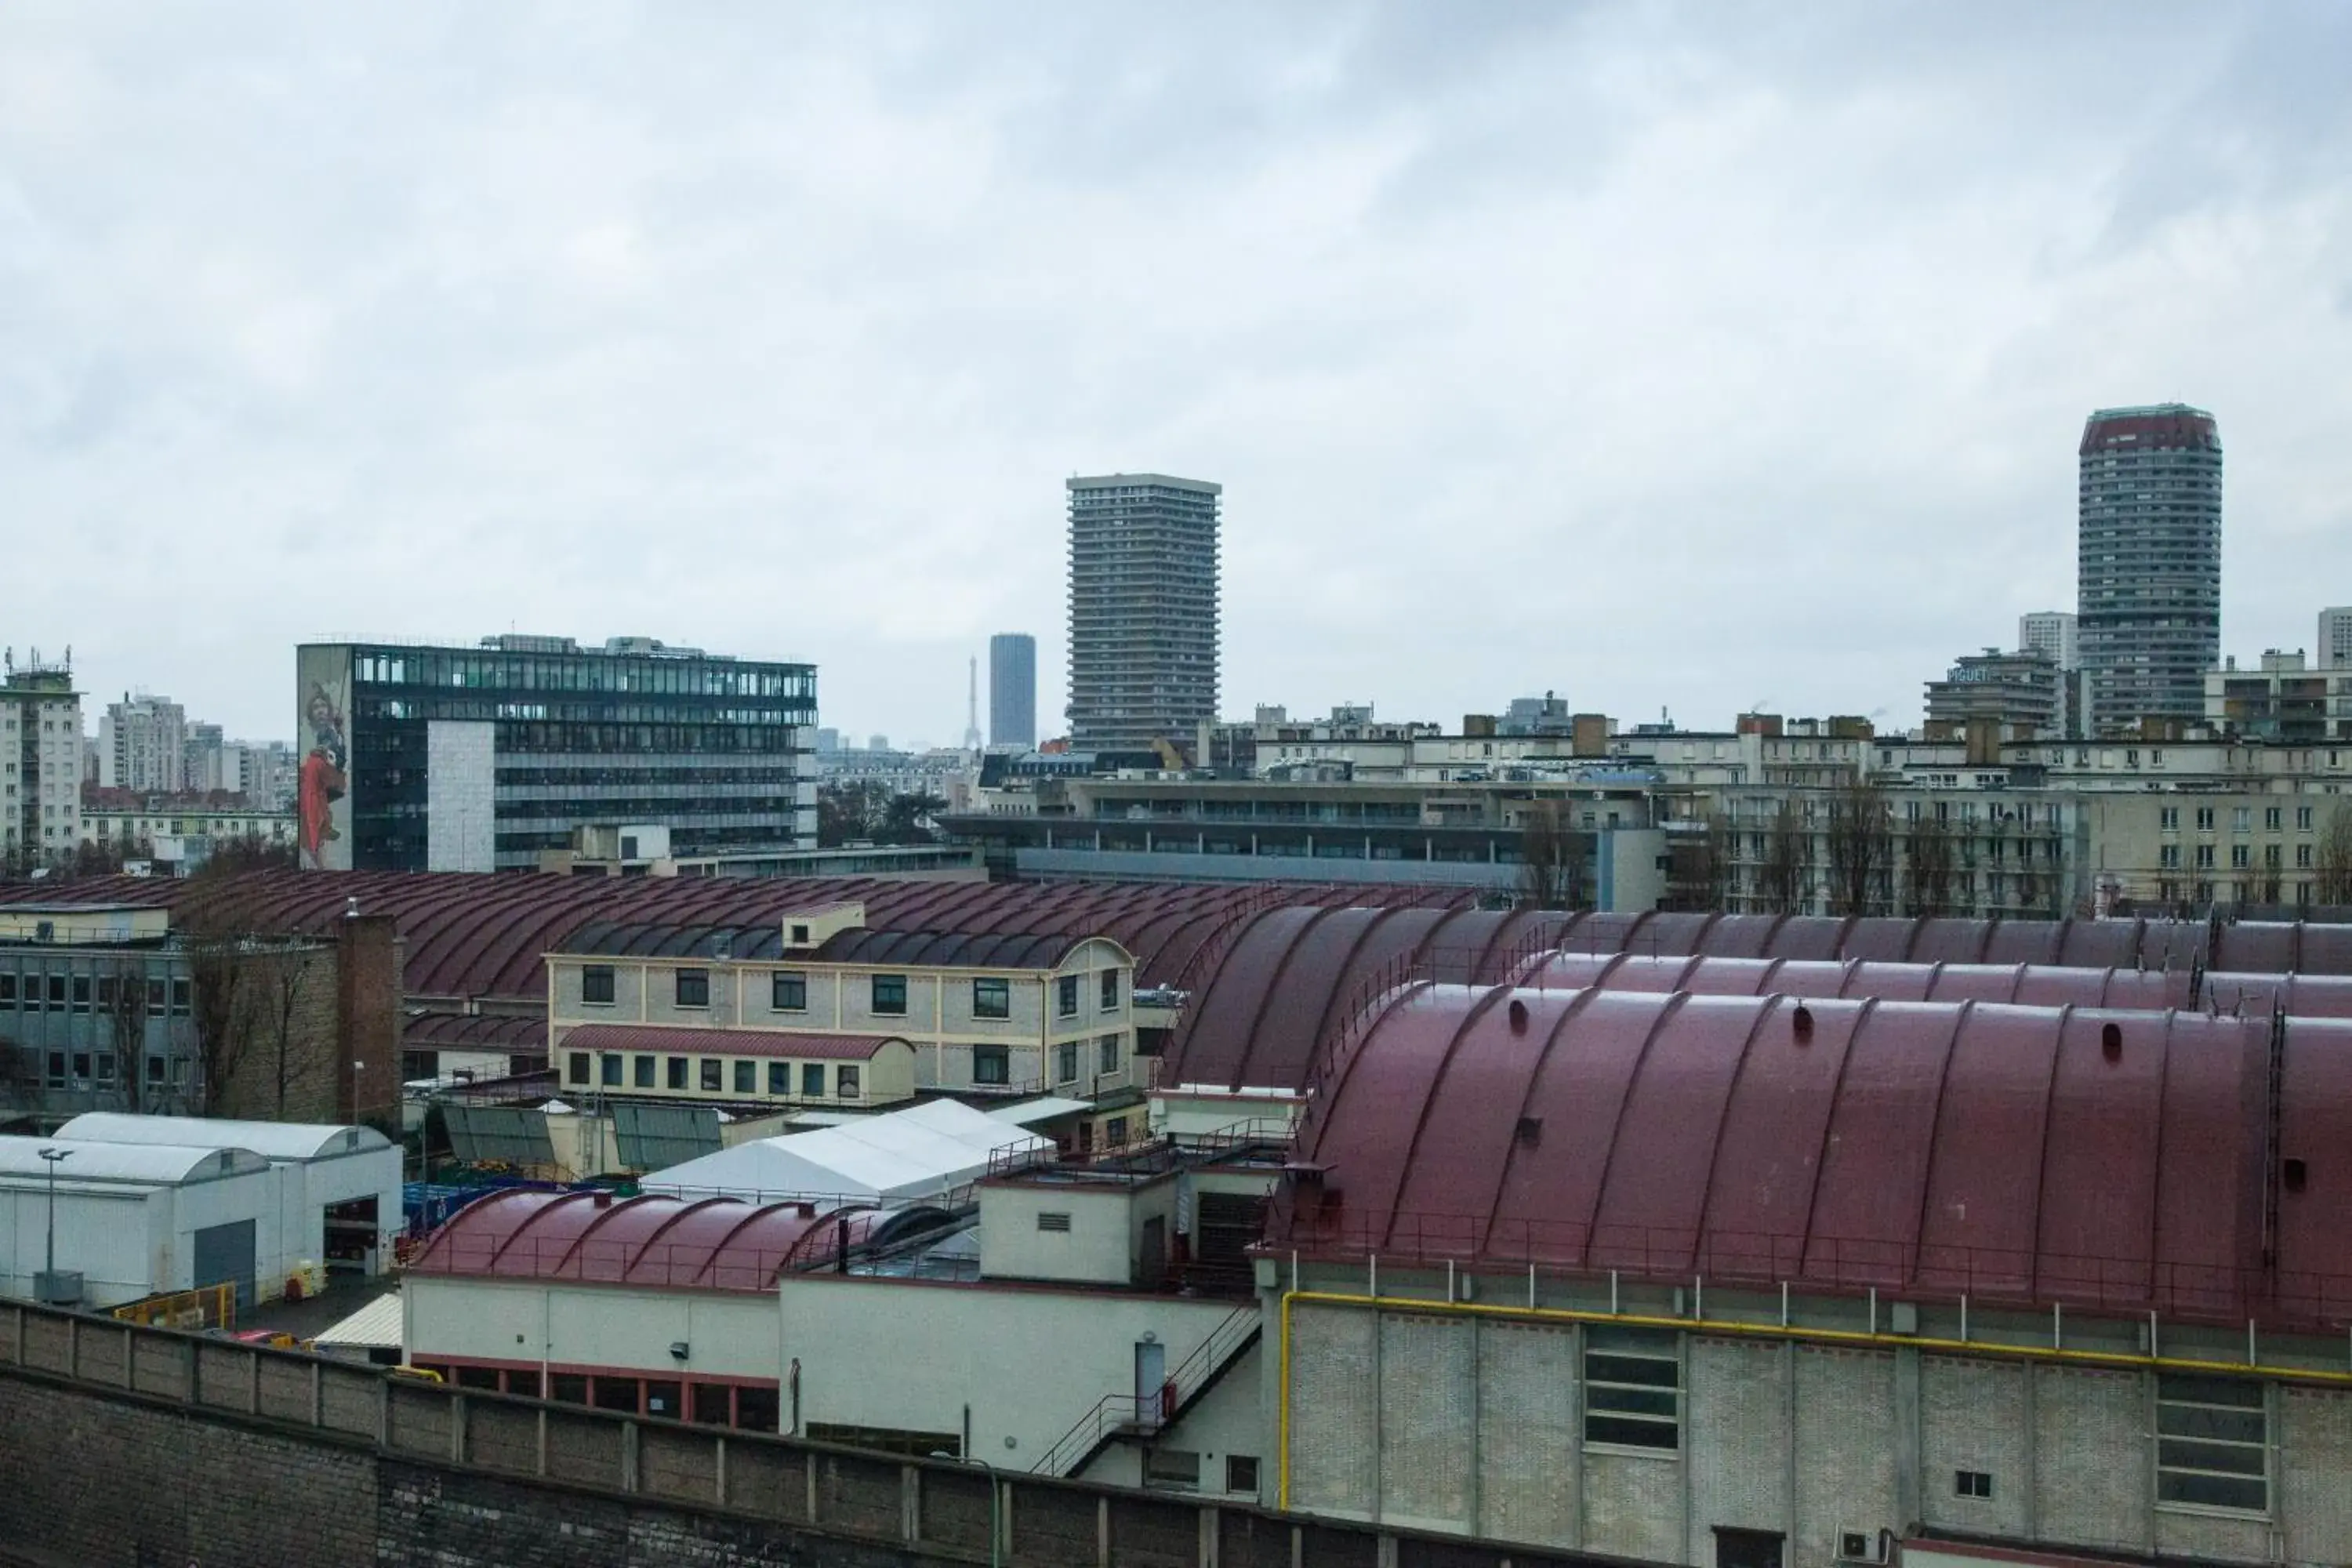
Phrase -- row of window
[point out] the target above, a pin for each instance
(748, 1407)
(2168, 856)
(713, 1075)
(55, 993)
(82, 1069)
(991, 997)
(2240, 818)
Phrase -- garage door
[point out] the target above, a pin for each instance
(225, 1256)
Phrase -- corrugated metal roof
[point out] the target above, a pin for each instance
(2002, 1152)
(778, 1043)
(286, 1141)
(376, 1326)
(130, 1164)
(477, 934)
(653, 1241)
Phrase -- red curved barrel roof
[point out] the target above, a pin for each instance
(472, 935)
(662, 1243)
(2017, 1154)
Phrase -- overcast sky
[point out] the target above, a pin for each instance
(1668, 357)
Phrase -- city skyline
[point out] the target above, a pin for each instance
(263, 395)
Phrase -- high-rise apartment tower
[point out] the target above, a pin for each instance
(1013, 690)
(2334, 649)
(2148, 561)
(1143, 610)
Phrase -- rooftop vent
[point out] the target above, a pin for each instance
(1518, 1017)
(2294, 1174)
(1801, 1023)
(1530, 1131)
(2111, 1041)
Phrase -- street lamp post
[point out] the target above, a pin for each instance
(52, 1158)
(996, 1500)
(356, 1065)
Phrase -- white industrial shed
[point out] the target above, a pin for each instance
(339, 1187)
(135, 1220)
(920, 1154)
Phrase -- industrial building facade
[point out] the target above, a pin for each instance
(2149, 562)
(453, 759)
(1143, 610)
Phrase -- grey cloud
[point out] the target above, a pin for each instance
(1666, 355)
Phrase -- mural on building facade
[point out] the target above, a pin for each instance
(322, 793)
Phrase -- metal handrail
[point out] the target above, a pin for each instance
(1210, 1356)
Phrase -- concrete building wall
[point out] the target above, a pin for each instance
(512, 1322)
(986, 1348)
(1454, 1422)
(460, 796)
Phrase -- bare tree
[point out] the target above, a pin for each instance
(1861, 848)
(280, 977)
(2334, 883)
(1699, 876)
(1784, 882)
(219, 1018)
(1928, 867)
(123, 998)
(1552, 867)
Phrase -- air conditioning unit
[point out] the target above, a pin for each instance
(1861, 1545)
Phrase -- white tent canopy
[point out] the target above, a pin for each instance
(923, 1152)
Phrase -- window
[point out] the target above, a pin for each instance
(644, 1072)
(9, 989)
(787, 992)
(2273, 856)
(1632, 1388)
(614, 1064)
(2240, 818)
(992, 999)
(2205, 818)
(845, 1082)
(2271, 815)
(891, 995)
(2167, 856)
(1053, 1220)
(1107, 1054)
(2240, 856)
(182, 996)
(1065, 997)
(1241, 1473)
(2303, 857)
(1972, 1483)
(2303, 819)
(713, 1076)
(81, 1067)
(693, 989)
(780, 1077)
(2204, 856)
(597, 984)
(1066, 1061)
(813, 1080)
(1110, 990)
(81, 993)
(678, 1072)
(155, 1070)
(57, 1073)
(747, 1077)
(154, 998)
(991, 1064)
(2211, 1442)
(1172, 1467)
(1115, 1132)
(579, 1067)
(761, 1410)
(2168, 817)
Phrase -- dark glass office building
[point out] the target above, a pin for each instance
(472, 759)
(1013, 690)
